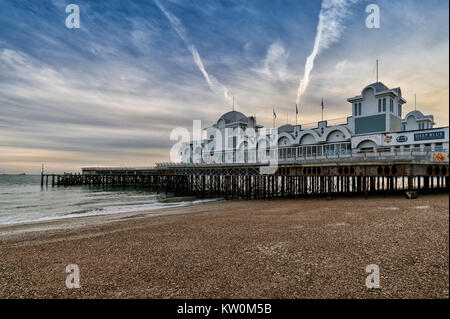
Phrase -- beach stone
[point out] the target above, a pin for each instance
(411, 195)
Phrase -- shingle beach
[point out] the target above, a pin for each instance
(311, 248)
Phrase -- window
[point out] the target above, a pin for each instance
(391, 105)
(379, 105)
(404, 127)
(400, 110)
(319, 150)
(384, 105)
(357, 109)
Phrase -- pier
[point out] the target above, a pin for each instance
(375, 151)
(320, 177)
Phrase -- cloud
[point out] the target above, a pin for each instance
(213, 83)
(329, 30)
(67, 111)
(275, 62)
(341, 65)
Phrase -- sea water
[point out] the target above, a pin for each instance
(22, 199)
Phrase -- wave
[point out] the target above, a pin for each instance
(111, 210)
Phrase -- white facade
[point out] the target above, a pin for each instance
(376, 124)
(415, 120)
(377, 109)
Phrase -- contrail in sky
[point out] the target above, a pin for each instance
(329, 30)
(213, 83)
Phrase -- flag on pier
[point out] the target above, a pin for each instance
(274, 117)
(296, 113)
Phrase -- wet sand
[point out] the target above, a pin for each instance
(312, 248)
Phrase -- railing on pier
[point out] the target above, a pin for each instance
(290, 156)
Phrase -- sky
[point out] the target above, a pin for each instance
(110, 92)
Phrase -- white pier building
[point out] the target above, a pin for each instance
(376, 126)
